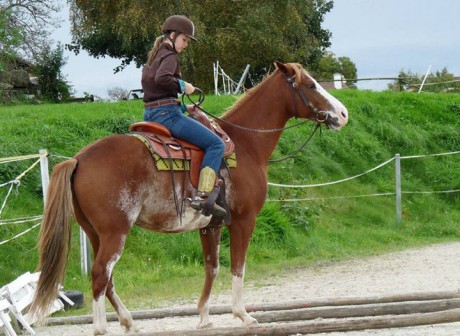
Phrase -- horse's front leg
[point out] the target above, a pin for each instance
(210, 241)
(239, 241)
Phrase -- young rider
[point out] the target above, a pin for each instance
(162, 83)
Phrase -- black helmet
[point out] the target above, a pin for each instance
(180, 24)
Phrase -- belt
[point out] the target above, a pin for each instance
(161, 102)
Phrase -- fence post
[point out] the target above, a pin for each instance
(85, 253)
(398, 187)
(44, 172)
(216, 77)
(243, 77)
(424, 79)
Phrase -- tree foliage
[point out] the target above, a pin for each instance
(330, 64)
(29, 22)
(255, 32)
(53, 85)
(117, 93)
(440, 81)
(9, 39)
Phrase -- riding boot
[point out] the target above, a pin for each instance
(206, 184)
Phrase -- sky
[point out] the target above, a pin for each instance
(382, 37)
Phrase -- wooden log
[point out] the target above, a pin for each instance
(349, 300)
(377, 309)
(294, 304)
(315, 327)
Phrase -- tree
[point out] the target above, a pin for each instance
(53, 85)
(330, 64)
(440, 81)
(30, 22)
(236, 33)
(348, 69)
(117, 93)
(9, 39)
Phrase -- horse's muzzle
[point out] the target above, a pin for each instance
(335, 119)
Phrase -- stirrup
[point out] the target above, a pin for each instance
(200, 203)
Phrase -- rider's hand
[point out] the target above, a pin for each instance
(189, 88)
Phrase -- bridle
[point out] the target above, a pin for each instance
(319, 116)
(213, 116)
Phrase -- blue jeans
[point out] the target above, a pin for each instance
(188, 129)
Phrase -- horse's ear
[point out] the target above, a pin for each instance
(282, 67)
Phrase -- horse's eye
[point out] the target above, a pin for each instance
(312, 86)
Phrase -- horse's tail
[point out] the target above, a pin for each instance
(54, 241)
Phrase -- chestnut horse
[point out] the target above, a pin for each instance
(113, 184)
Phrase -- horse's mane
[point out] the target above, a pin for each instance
(296, 67)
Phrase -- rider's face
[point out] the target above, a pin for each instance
(181, 42)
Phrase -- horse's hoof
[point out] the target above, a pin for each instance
(206, 325)
(251, 322)
(100, 332)
(134, 328)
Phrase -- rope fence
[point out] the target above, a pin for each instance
(398, 192)
(332, 182)
(359, 175)
(19, 158)
(42, 159)
(16, 182)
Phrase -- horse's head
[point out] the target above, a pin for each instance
(311, 100)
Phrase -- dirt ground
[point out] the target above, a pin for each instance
(427, 269)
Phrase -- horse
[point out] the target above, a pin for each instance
(113, 184)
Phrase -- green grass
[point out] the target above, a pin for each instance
(157, 267)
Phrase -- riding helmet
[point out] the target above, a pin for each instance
(180, 24)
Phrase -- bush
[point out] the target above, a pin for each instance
(52, 83)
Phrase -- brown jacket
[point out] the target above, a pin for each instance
(161, 79)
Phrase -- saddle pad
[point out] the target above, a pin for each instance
(178, 164)
(182, 154)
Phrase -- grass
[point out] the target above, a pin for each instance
(158, 267)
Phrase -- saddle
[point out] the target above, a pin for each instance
(170, 153)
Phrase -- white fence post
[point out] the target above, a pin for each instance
(85, 253)
(242, 79)
(216, 77)
(398, 187)
(44, 172)
(424, 79)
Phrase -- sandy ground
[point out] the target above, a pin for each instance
(428, 269)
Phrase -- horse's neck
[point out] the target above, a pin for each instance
(265, 110)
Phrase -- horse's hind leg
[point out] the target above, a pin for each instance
(110, 249)
(210, 242)
(124, 316)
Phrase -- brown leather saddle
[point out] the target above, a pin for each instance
(170, 153)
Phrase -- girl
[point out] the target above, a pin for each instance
(162, 83)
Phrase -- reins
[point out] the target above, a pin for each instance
(294, 153)
(256, 130)
(320, 116)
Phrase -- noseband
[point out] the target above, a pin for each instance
(319, 116)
